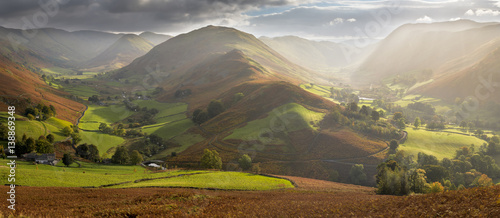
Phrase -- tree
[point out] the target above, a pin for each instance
(393, 145)
(44, 147)
(401, 123)
(67, 131)
(50, 138)
(397, 116)
(30, 117)
(436, 187)
(375, 115)
(102, 126)
(353, 106)
(67, 159)
(201, 117)
(238, 96)
(75, 138)
(136, 157)
(121, 156)
(211, 160)
(417, 122)
(215, 108)
(245, 162)
(357, 175)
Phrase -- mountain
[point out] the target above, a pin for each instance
(414, 48)
(155, 38)
(20, 84)
(479, 80)
(319, 56)
(182, 61)
(119, 54)
(60, 47)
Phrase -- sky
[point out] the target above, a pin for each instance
(311, 19)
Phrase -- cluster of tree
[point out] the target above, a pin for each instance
(118, 130)
(493, 146)
(182, 93)
(365, 120)
(435, 125)
(94, 99)
(151, 145)
(72, 131)
(357, 174)
(41, 145)
(144, 116)
(40, 112)
(412, 78)
(124, 156)
(344, 95)
(423, 107)
(401, 175)
(214, 108)
(211, 160)
(89, 152)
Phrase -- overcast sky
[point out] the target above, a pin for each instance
(320, 20)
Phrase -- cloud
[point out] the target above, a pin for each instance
(424, 19)
(351, 20)
(487, 12)
(336, 21)
(455, 19)
(470, 13)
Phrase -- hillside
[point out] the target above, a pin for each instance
(119, 54)
(413, 48)
(319, 56)
(280, 124)
(61, 47)
(469, 81)
(19, 84)
(155, 38)
(183, 53)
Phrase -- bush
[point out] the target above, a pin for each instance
(211, 160)
(245, 162)
(436, 187)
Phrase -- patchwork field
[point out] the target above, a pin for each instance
(36, 128)
(103, 114)
(104, 142)
(439, 144)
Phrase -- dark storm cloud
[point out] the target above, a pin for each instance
(133, 15)
(311, 18)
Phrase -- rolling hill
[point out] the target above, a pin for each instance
(119, 54)
(155, 38)
(472, 81)
(185, 52)
(20, 84)
(60, 47)
(413, 48)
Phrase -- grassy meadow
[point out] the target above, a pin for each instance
(439, 144)
(91, 174)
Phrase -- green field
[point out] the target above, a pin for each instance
(185, 140)
(169, 130)
(416, 98)
(439, 144)
(101, 114)
(292, 116)
(36, 128)
(91, 174)
(220, 180)
(81, 90)
(104, 142)
(67, 73)
(168, 111)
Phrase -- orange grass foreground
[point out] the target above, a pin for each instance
(311, 198)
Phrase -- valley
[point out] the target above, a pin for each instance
(218, 122)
